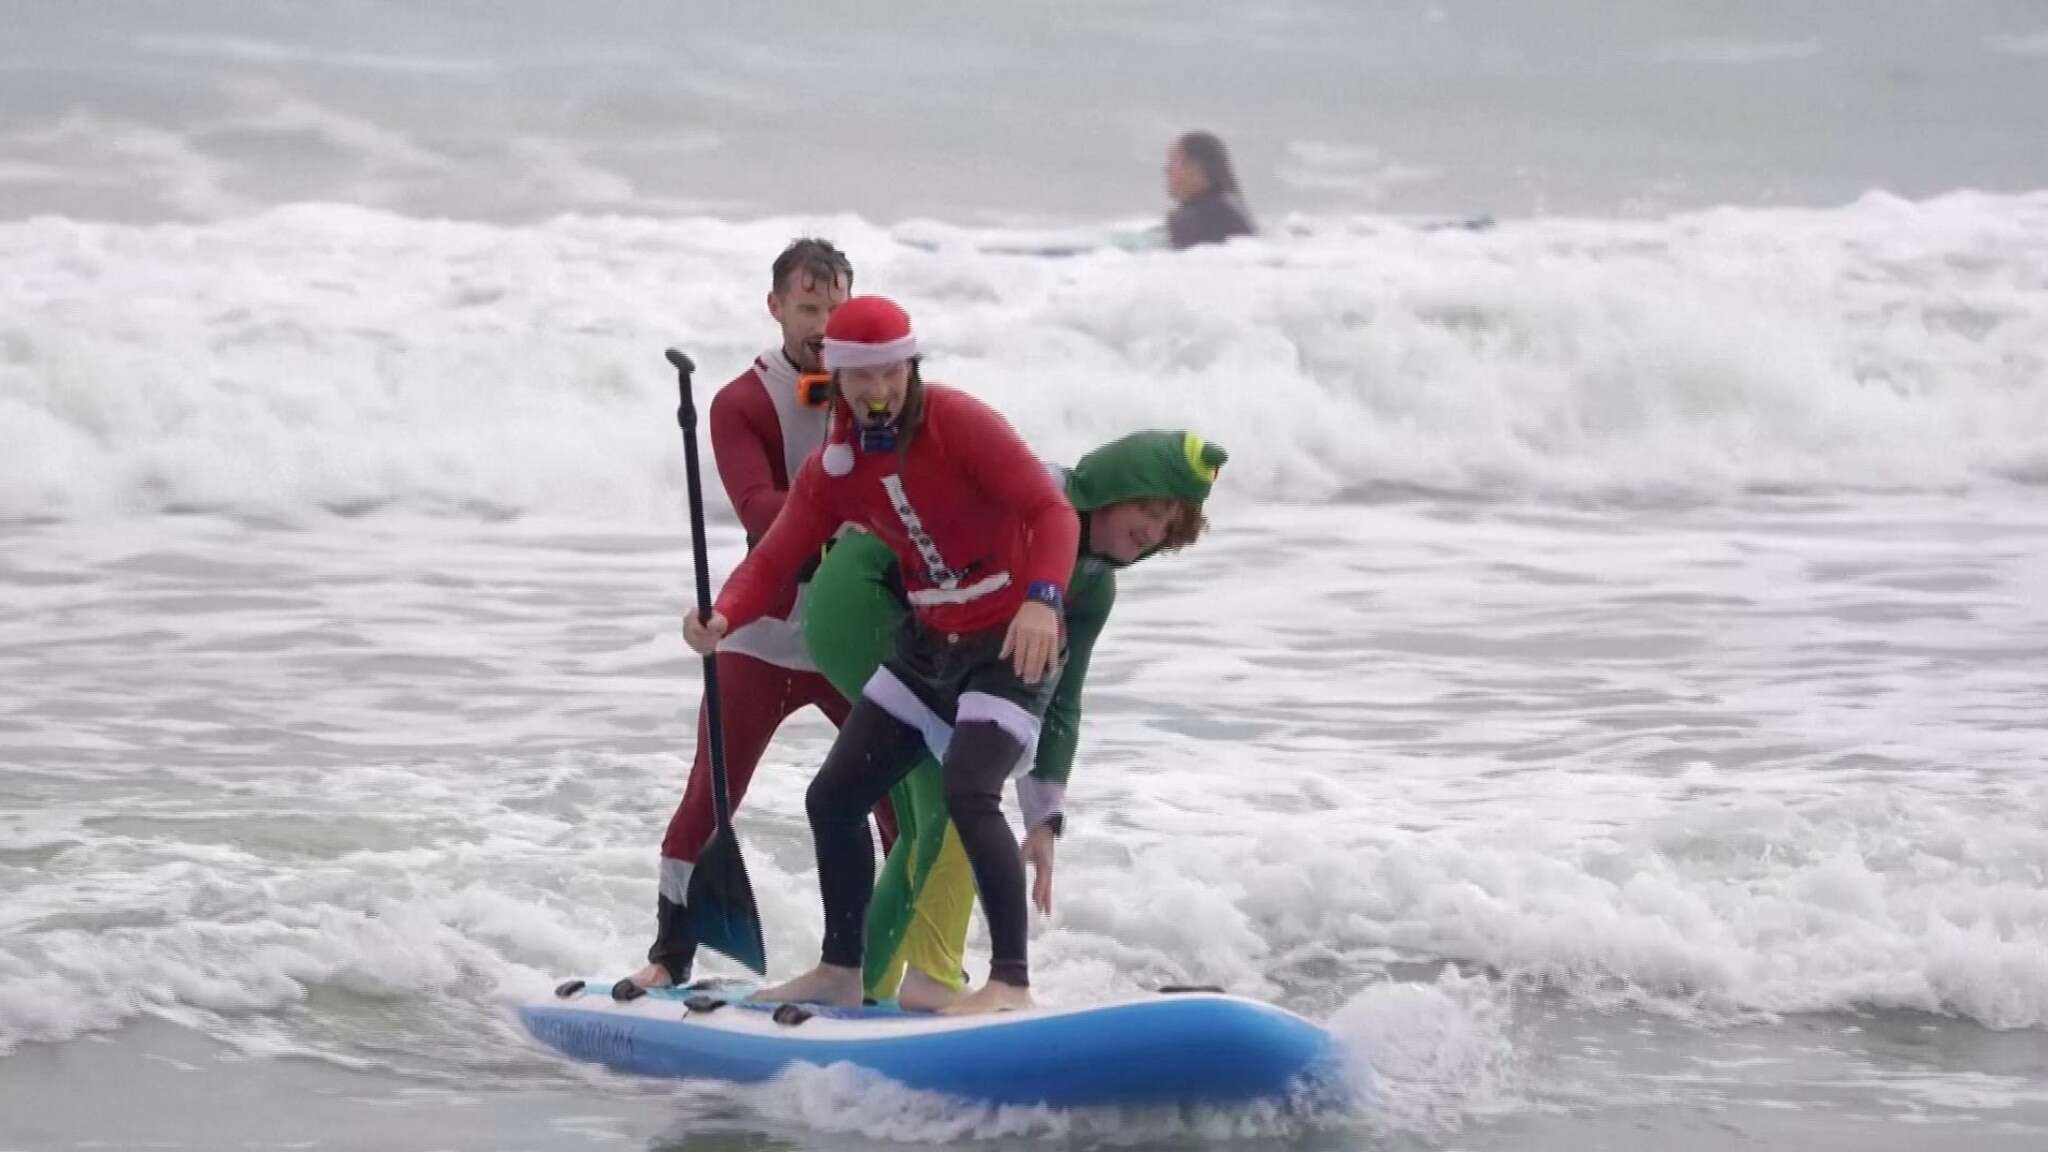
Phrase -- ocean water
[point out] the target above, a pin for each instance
(1610, 698)
(1022, 114)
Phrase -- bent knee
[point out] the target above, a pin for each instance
(825, 802)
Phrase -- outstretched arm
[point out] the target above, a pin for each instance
(1002, 467)
(803, 526)
(1001, 464)
(1043, 793)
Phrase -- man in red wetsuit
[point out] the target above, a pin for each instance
(763, 426)
(985, 540)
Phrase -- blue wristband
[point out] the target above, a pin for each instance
(1045, 592)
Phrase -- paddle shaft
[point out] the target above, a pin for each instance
(686, 415)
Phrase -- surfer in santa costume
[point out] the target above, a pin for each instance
(985, 540)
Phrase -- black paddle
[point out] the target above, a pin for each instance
(723, 917)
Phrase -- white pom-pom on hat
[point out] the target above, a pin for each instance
(838, 458)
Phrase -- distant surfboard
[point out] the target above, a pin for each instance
(1052, 243)
(1044, 243)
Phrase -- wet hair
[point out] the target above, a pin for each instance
(815, 258)
(1187, 527)
(1206, 151)
(912, 417)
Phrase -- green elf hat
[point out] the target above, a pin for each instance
(1146, 466)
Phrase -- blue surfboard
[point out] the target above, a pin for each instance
(1186, 1047)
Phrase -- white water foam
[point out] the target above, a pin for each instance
(331, 358)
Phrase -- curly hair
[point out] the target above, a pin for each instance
(1187, 527)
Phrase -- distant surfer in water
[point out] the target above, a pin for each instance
(1136, 497)
(1209, 206)
(764, 424)
(985, 540)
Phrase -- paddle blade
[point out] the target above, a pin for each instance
(722, 913)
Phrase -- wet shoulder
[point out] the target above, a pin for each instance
(1208, 220)
(947, 409)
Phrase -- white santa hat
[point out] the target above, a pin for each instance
(867, 331)
(864, 332)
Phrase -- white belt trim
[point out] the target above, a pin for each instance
(899, 701)
(925, 597)
(1008, 715)
(884, 689)
(675, 879)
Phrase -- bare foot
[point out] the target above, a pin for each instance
(994, 996)
(825, 984)
(652, 976)
(921, 993)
